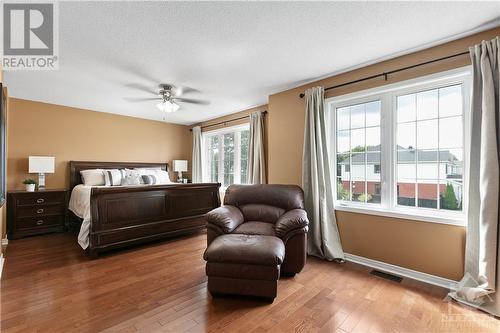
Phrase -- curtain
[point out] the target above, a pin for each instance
(256, 157)
(482, 260)
(197, 173)
(323, 236)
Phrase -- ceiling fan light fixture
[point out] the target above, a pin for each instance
(167, 106)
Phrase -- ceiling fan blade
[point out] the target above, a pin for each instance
(178, 90)
(142, 88)
(190, 100)
(185, 90)
(142, 99)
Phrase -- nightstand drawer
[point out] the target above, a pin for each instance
(43, 221)
(40, 198)
(40, 211)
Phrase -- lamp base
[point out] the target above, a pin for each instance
(41, 182)
(179, 176)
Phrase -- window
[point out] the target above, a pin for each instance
(226, 156)
(358, 149)
(400, 148)
(430, 148)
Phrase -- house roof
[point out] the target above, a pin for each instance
(404, 155)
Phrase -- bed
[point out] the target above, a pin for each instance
(120, 216)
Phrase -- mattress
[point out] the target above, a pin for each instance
(79, 204)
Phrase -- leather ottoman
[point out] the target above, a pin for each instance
(244, 265)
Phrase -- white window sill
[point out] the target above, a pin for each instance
(457, 219)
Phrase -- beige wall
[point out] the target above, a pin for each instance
(428, 247)
(75, 134)
(229, 117)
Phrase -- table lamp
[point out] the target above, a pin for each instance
(180, 166)
(41, 165)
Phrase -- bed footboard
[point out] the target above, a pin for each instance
(124, 216)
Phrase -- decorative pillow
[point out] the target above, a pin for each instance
(130, 177)
(112, 177)
(160, 175)
(149, 179)
(92, 177)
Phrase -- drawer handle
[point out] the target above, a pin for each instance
(41, 200)
(39, 222)
(39, 211)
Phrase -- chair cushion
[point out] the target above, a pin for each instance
(246, 249)
(260, 212)
(286, 197)
(255, 228)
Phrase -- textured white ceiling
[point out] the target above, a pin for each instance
(234, 53)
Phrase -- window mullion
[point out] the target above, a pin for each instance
(237, 157)
(387, 131)
(205, 160)
(365, 185)
(438, 197)
(221, 160)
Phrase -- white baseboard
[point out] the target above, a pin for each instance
(2, 260)
(404, 272)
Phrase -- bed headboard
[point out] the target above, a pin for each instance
(76, 166)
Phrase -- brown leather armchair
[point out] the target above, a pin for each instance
(271, 210)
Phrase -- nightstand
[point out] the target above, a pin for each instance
(34, 213)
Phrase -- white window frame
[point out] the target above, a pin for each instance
(237, 156)
(387, 95)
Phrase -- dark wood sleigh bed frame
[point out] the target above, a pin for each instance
(129, 215)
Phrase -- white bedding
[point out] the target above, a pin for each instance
(79, 203)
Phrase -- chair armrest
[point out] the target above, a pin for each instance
(226, 218)
(290, 221)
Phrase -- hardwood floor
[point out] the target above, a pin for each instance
(48, 285)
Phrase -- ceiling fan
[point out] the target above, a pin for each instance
(168, 97)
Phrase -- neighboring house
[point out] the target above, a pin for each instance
(421, 174)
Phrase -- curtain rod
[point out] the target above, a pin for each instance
(385, 74)
(227, 121)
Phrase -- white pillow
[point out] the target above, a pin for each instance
(112, 177)
(92, 177)
(163, 177)
(147, 171)
(130, 177)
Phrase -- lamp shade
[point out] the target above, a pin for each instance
(41, 164)
(180, 165)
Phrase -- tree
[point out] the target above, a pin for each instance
(358, 149)
(342, 193)
(448, 198)
(364, 196)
